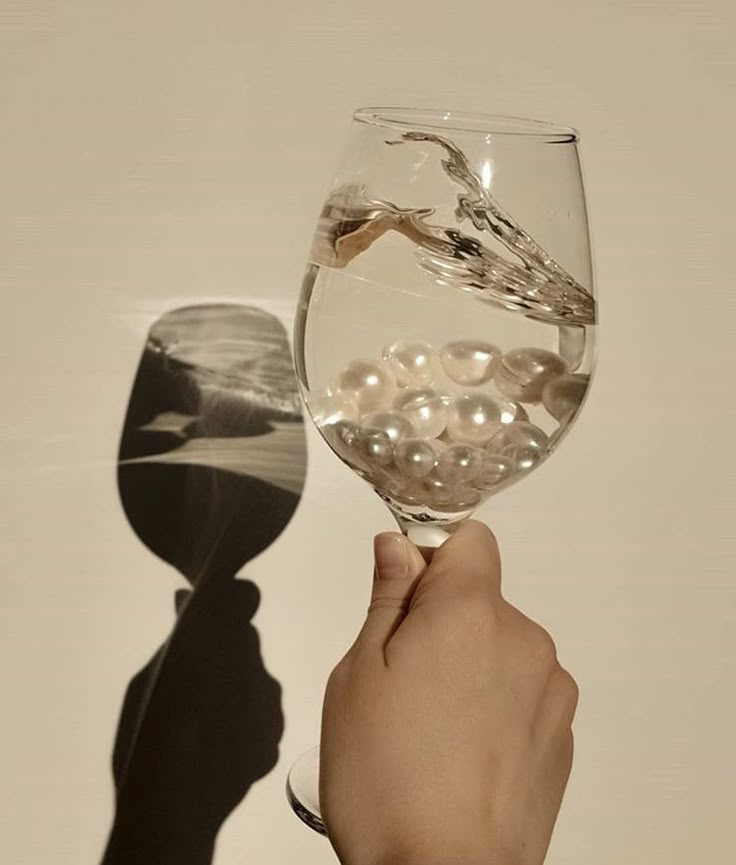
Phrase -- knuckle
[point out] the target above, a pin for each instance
(340, 674)
(567, 687)
(568, 748)
(544, 645)
(565, 753)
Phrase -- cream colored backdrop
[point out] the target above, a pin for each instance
(160, 152)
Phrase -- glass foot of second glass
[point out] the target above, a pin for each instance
(302, 790)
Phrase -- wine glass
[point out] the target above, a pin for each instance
(445, 330)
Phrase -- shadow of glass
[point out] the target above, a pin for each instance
(211, 467)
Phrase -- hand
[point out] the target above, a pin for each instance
(446, 733)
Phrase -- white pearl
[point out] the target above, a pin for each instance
(368, 383)
(328, 408)
(469, 362)
(342, 437)
(435, 489)
(523, 443)
(410, 494)
(424, 409)
(392, 482)
(413, 363)
(393, 423)
(474, 418)
(523, 372)
(564, 395)
(435, 493)
(495, 470)
(561, 431)
(459, 463)
(571, 345)
(466, 498)
(448, 497)
(415, 457)
(376, 448)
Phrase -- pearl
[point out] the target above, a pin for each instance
(474, 418)
(368, 383)
(433, 492)
(392, 483)
(561, 431)
(411, 494)
(522, 373)
(571, 345)
(469, 362)
(376, 448)
(415, 457)
(445, 496)
(435, 489)
(342, 437)
(523, 443)
(413, 363)
(329, 408)
(495, 470)
(564, 395)
(424, 409)
(466, 499)
(393, 423)
(459, 463)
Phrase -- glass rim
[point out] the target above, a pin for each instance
(434, 120)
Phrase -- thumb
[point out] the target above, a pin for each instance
(399, 565)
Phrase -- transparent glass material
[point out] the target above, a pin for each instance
(445, 331)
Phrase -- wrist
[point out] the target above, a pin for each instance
(458, 857)
(146, 840)
(454, 860)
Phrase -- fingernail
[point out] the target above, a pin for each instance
(391, 555)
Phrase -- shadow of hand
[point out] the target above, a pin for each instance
(187, 753)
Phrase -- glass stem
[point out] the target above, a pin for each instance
(424, 535)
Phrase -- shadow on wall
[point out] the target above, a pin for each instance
(211, 469)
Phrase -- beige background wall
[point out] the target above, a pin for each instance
(162, 152)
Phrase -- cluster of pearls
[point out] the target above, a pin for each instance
(445, 448)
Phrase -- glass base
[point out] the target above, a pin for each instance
(302, 790)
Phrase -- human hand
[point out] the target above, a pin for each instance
(446, 733)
